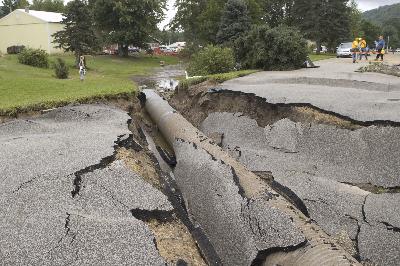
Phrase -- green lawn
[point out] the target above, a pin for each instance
(25, 88)
(218, 78)
(318, 57)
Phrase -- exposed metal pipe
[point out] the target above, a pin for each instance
(320, 248)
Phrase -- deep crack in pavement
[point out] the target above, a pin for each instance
(327, 163)
(65, 197)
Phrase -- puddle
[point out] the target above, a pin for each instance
(163, 79)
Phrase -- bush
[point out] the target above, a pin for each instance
(280, 48)
(61, 69)
(15, 49)
(34, 57)
(189, 50)
(212, 60)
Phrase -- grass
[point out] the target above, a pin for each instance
(24, 88)
(318, 57)
(218, 78)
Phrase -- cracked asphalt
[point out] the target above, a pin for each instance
(239, 228)
(323, 165)
(334, 87)
(63, 198)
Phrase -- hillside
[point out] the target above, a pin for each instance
(383, 13)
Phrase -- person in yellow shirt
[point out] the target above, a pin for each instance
(363, 49)
(355, 49)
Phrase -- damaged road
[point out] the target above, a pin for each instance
(245, 219)
(336, 162)
(236, 180)
(68, 196)
(335, 87)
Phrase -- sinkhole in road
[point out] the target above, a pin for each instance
(299, 150)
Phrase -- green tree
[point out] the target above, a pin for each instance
(323, 21)
(212, 60)
(169, 36)
(187, 18)
(255, 8)
(200, 20)
(278, 12)
(48, 5)
(370, 31)
(279, 48)
(391, 34)
(234, 22)
(210, 19)
(2, 14)
(78, 35)
(355, 21)
(11, 5)
(128, 22)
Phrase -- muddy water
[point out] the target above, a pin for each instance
(163, 79)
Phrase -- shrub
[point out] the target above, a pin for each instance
(189, 50)
(34, 57)
(15, 49)
(212, 60)
(61, 69)
(280, 48)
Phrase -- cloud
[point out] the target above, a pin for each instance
(371, 4)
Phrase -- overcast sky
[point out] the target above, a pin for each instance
(364, 5)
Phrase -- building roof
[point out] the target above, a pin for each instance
(45, 16)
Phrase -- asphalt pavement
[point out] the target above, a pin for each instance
(65, 199)
(324, 167)
(335, 87)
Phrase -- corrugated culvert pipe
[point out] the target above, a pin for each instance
(247, 221)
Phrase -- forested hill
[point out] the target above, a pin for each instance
(383, 14)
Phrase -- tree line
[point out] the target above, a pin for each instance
(326, 22)
(40, 5)
(91, 24)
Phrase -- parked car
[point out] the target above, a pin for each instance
(344, 50)
(133, 49)
(110, 51)
(398, 50)
(323, 49)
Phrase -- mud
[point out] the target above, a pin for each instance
(175, 244)
(163, 79)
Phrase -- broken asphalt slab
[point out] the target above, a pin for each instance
(364, 156)
(250, 188)
(335, 88)
(315, 163)
(379, 239)
(238, 228)
(63, 198)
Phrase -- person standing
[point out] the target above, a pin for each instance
(82, 68)
(380, 46)
(354, 49)
(363, 48)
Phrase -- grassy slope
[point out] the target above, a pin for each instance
(24, 88)
(218, 78)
